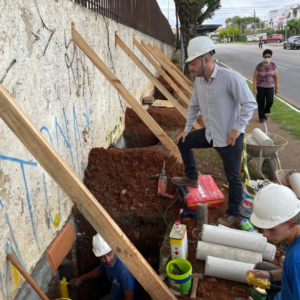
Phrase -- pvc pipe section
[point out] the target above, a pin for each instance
(268, 253)
(251, 140)
(206, 249)
(234, 238)
(227, 269)
(261, 137)
(295, 183)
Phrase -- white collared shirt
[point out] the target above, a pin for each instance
(225, 102)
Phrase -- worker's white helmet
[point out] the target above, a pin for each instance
(100, 247)
(199, 46)
(273, 205)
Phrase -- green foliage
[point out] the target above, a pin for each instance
(294, 25)
(229, 32)
(209, 3)
(242, 38)
(222, 33)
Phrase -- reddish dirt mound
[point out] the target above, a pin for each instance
(119, 179)
(137, 134)
(157, 93)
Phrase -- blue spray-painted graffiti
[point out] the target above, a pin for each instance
(13, 237)
(22, 163)
(80, 171)
(87, 116)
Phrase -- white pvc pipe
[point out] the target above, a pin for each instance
(295, 183)
(261, 137)
(207, 249)
(234, 238)
(251, 140)
(227, 269)
(268, 253)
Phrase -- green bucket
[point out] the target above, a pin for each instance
(180, 284)
(257, 293)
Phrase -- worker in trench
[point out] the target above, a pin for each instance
(123, 285)
(276, 210)
(226, 103)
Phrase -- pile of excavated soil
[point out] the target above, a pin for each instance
(119, 179)
(138, 135)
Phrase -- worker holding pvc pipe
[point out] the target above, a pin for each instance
(124, 285)
(226, 104)
(276, 210)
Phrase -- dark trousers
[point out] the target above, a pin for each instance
(265, 99)
(260, 45)
(275, 285)
(231, 156)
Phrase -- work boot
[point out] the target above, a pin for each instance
(226, 220)
(180, 181)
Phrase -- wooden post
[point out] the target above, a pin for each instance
(28, 278)
(160, 70)
(134, 104)
(154, 80)
(166, 58)
(176, 76)
(82, 198)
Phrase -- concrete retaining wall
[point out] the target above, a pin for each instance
(71, 103)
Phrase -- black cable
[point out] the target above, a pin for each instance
(113, 68)
(167, 211)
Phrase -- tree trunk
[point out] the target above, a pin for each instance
(188, 12)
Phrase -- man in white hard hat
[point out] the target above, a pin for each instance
(226, 104)
(276, 211)
(123, 285)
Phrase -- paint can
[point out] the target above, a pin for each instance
(246, 225)
(180, 284)
(258, 293)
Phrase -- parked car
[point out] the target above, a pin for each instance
(293, 42)
(278, 38)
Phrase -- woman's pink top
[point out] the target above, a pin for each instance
(265, 77)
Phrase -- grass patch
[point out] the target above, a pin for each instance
(287, 118)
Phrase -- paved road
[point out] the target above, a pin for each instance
(244, 58)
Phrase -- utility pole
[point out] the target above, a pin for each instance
(232, 31)
(254, 22)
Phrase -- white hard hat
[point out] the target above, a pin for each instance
(273, 205)
(100, 247)
(199, 46)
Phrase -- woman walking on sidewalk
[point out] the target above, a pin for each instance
(265, 78)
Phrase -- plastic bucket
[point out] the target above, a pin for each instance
(180, 284)
(257, 293)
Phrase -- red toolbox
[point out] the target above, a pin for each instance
(206, 192)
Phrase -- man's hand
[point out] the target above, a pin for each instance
(276, 90)
(255, 91)
(75, 281)
(259, 273)
(182, 135)
(232, 136)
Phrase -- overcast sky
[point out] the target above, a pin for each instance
(231, 8)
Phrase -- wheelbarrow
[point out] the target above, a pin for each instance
(268, 157)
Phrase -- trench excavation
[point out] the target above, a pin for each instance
(118, 178)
